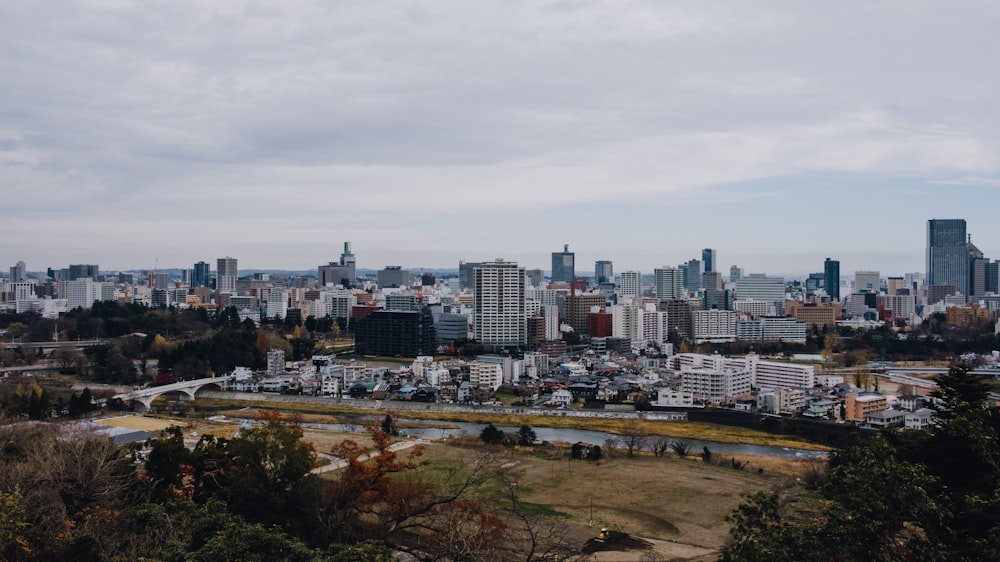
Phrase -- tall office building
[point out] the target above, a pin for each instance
(948, 254)
(17, 272)
(201, 275)
(831, 278)
(692, 274)
(711, 280)
(735, 272)
(603, 272)
(83, 271)
(342, 273)
(759, 287)
(465, 269)
(630, 284)
(348, 260)
(563, 266)
(225, 278)
(393, 276)
(708, 258)
(993, 277)
(669, 283)
(498, 304)
(867, 282)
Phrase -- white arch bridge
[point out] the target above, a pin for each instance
(145, 396)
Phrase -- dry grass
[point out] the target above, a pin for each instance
(678, 504)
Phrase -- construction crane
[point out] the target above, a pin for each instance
(156, 264)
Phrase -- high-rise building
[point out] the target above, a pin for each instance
(948, 253)
(201, 275)
(993, 277)
(17, 272)
(630, 284)
(669, 283)
(393, 276)
(711, 280)
(563, 266)
(708, 258)
(226, 274)
(867, 282)
(498, 304)
(735, 272)
(759, 287)
(692, 274)
(83, 271)
(406, 333)
(535, 277)
(342, 273)
(465, 269)
(831, 281)
(603, 272)
(679, 318)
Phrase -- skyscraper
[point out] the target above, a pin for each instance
(735, 272)
(201, 274)
(831, 278)
(692, 274)
(708, 258)
(17, 272)
(563, 266)
(343, 272)
(603, 272)
(669, 283)
(630, 284)
(225, 278)
(498, 304)
(83, 271)
(948, 254)
(867, 281)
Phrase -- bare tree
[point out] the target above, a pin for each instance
(530, 537)
(660, 446)
(634, 437)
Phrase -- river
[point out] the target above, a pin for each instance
(575, 435)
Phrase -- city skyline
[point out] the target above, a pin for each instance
(640, 133)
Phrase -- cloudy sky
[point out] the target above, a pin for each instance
(779, 133)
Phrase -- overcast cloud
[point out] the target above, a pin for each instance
(779, 133)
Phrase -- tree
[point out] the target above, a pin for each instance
(681, 448)
(526, 436)
(13, 524)
(379, 497)
(660, 446)
(491, 435)
(633, 437)
(388, 425)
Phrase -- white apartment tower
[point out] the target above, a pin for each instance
(630, 284)
(669, 283)
(225, 276)
(498, 304)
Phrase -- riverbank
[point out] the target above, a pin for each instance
(217, 401)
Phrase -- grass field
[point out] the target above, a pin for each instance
(677, 505)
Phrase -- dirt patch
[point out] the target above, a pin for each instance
(141, 423)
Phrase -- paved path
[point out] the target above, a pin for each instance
(337, 463)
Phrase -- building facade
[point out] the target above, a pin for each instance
(499, 317)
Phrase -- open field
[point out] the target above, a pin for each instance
(677, 506)
(680, 430)
(672, 507)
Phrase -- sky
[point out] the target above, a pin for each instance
(135, 133)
